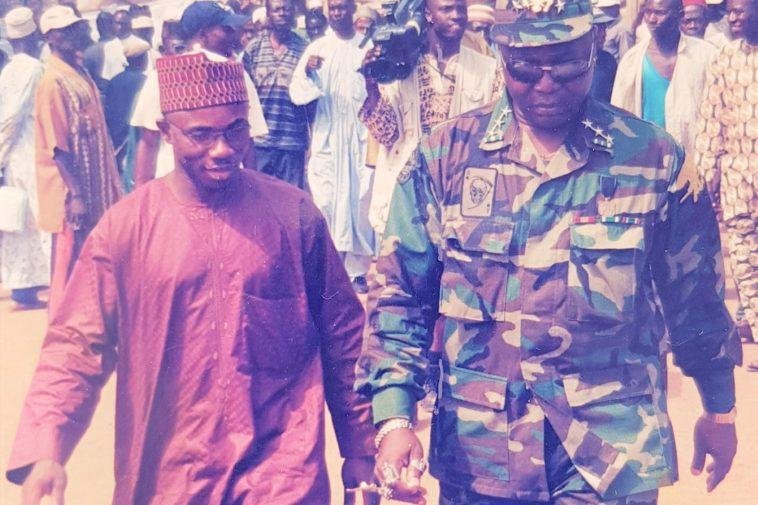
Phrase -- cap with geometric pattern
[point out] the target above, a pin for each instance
(192, 81)
(530, 23)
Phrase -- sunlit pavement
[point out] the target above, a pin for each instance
(90, 469)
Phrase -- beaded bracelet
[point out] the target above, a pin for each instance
(389, 425)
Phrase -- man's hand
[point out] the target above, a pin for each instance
(355, 471)
(46, 478)
(76, 211)
(372, 88)
(400, 464)
(313, 64)
(718, 440)
(370, 57)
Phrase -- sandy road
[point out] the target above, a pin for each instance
(91, 467)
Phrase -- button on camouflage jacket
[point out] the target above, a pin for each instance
(545, 280)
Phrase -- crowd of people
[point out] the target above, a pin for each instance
(534, 207)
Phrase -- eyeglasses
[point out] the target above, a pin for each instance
(528, 72)
(235, 135)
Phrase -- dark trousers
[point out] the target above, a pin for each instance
(567, 486)
(288, 166)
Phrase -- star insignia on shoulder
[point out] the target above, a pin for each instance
(495, 132)
(601, 138)
(559, 6)
(503, 117)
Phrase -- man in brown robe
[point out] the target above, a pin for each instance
(77, 179)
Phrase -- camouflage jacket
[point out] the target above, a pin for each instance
(545, 282)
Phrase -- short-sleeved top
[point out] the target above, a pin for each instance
(272, 73)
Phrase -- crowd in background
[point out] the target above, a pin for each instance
(328, 130)
(204, 186)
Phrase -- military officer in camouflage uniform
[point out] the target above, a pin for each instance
(538, 229)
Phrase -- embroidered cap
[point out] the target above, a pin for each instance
(530, 23)
(192, 81)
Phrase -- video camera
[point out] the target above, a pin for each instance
(399, 36)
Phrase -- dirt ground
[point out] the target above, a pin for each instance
(90, 470)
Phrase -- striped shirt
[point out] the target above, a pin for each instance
(271, 74)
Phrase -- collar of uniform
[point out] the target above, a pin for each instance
(592, 133)
(501, 130)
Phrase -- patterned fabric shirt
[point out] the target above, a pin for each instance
(69, 118)
(543, 283)
(271, 73)
(727, 140)
(436, 88)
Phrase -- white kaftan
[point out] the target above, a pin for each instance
(24, 255)
(338, 177)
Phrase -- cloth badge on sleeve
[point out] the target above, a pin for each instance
(478, 195)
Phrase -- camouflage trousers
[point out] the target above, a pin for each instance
(567, 486)
(743, 256)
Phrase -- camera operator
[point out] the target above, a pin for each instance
(448, 80)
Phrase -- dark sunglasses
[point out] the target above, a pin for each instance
(528, 72)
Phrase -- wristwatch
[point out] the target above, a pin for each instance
(722, 418)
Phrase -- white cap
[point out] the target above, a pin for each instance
(259, 15)
(57, 17)
(481, 13)
(364, 11)
(134, 46)
(142, 22)
(714, 2)
(19, 23)
(607, 3)
(313, 4)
